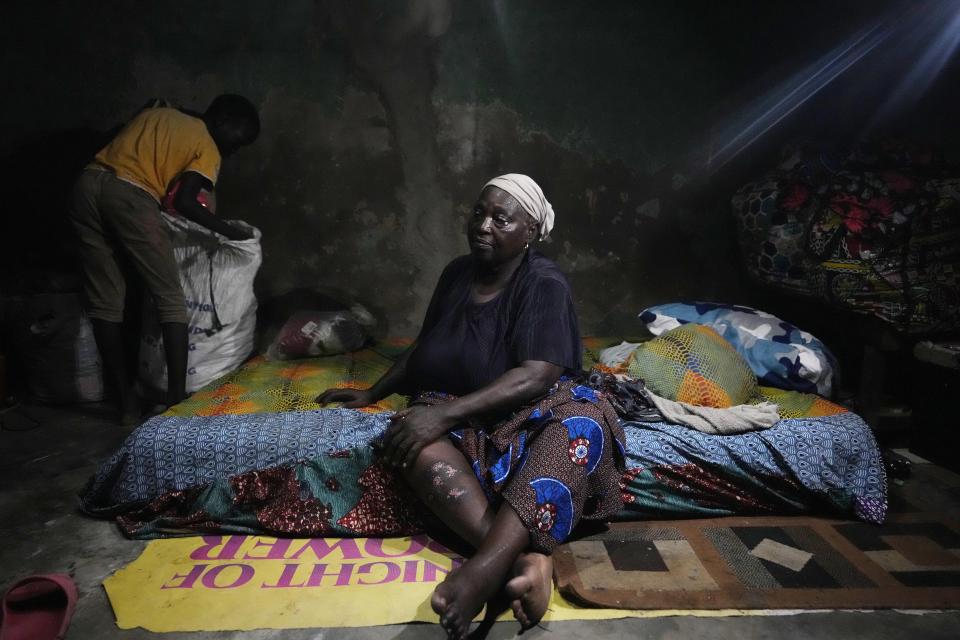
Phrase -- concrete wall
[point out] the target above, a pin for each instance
(381, 120)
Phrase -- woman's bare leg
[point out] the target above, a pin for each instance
(463, 593)
(443, 478)
(530, 588)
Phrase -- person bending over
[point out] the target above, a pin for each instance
(506, 452)
(115, 210)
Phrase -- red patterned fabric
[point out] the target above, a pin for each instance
(382, 510)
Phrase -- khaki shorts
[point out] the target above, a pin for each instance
(113, 217)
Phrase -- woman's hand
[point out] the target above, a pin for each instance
(350, 398)
(412, 429)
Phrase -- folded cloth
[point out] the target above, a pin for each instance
(38, 608)
(727, 421)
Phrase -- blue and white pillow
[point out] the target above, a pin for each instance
(780, 354)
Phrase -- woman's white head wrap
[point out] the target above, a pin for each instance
(530, 196)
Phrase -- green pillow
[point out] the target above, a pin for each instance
(694, 364)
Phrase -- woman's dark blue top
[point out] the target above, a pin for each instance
(464, 346)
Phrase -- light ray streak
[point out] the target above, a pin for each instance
(796, 93)
(940, 28)
(919, 36)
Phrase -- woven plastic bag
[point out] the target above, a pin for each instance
(217, 278)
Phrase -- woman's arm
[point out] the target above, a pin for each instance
(515, 388)
(390, 382)
(418, 426)
(393, 380)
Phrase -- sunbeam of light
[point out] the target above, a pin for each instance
(920, 36)
(940, 28)
(791, 95)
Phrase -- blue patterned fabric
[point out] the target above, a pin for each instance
(554, 513)
(174, 453)
(780, 354)
(799, 465)
(793, 466)
(586, 441)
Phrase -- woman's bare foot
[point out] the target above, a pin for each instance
(459, 598)
(530, 588)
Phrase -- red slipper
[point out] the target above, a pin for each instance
(38, 608)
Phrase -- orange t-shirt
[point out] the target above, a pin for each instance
(157, 146)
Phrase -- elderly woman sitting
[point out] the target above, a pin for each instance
(505, 450)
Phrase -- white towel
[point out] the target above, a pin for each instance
(727, 421)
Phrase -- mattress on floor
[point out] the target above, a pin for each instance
(819, 458)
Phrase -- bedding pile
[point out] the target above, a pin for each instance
(779, 353)
(875, 230)
(251, 454)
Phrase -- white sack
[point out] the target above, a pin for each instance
(217, 277)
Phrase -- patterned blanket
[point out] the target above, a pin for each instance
(263, 386)
(254, 454)
(875, 230)
(828, 464)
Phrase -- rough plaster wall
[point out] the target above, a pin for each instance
(378, 223)
(381, 120)
(625, 239)
(380, 123)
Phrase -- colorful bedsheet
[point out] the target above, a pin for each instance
(253, 454)
(263, 386)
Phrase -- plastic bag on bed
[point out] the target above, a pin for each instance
(217, 278)
(319, 333)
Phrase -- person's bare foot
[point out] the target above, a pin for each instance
(530, 588)
(459, 598)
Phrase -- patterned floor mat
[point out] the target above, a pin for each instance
(912, 561)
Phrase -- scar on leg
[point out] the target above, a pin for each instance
(441, 473)
(444, 468)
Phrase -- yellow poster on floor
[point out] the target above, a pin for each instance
(237, 582)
